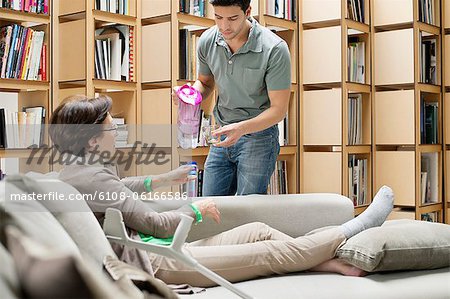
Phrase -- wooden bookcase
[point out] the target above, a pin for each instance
(75, 24)
(401, 91)
(446, 106)
(161, 22)
(319, 149)
(27, 93)
(326, 148)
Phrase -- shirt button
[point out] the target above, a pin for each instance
(230, 62)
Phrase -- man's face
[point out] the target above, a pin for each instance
(230, 20)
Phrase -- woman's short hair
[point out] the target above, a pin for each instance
(76, 120)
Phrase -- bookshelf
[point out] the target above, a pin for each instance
(161, 71)
(24, 84)
(338, 117)
(446, 91)
(408, 110)
(336, 100)
(105, 45)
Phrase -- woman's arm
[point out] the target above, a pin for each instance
(137, 214)
(175, 177)
(113, 193)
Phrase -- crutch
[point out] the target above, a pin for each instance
(115, 231)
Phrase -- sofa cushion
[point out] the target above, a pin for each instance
(46, 272)
(293, 214)
(32, 218)
(9, 281)
(87, 234)
(124, 273)
(399, 245)
(75, 216)
(429, 284)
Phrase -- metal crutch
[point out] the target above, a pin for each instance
(115, 231)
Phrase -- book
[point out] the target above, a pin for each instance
(37, 124)
(5, 41)
(113, 52)
(423, 186)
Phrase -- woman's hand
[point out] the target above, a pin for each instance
(208, 208)
(174, 177)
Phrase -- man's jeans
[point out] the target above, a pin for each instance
(245, 167)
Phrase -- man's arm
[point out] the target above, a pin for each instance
(205, 80)
(204, 84)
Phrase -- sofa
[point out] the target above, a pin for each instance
(71, 227)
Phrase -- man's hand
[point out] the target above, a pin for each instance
(175, 98)
(208, 208)
(233, 133)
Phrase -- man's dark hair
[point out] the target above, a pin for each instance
(76, 121)
(243, 4)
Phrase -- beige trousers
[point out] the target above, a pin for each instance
(250, 251)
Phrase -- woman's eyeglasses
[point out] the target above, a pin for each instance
(113, 127)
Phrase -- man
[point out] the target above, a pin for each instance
(252, 70)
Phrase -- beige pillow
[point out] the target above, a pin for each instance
(53, 273)
(399, 245)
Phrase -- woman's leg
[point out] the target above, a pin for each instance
(247, 233)
(251, 260)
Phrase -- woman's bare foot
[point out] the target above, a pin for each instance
(339, 266)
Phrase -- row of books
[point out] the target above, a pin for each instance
(199, 182)
(356, 10)
(430, 217)
(114, 53)
(429, 178)
(22, 129)
(356, 61)
(114, 6)
(426, 11)
(205, 121)
(355, 119)
(23, 54)
(284, 9)
(428, 72)
(357, 180)
(278, 183)
(35, 6)
(429, 115)
(194, 7)
(188, 55)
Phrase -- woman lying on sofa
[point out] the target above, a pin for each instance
(82, 128)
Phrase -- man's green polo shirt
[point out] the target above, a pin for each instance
(244, 78)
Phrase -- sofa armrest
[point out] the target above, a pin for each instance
(293, 214)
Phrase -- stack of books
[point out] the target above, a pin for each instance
(35, 6)
(122, 132)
